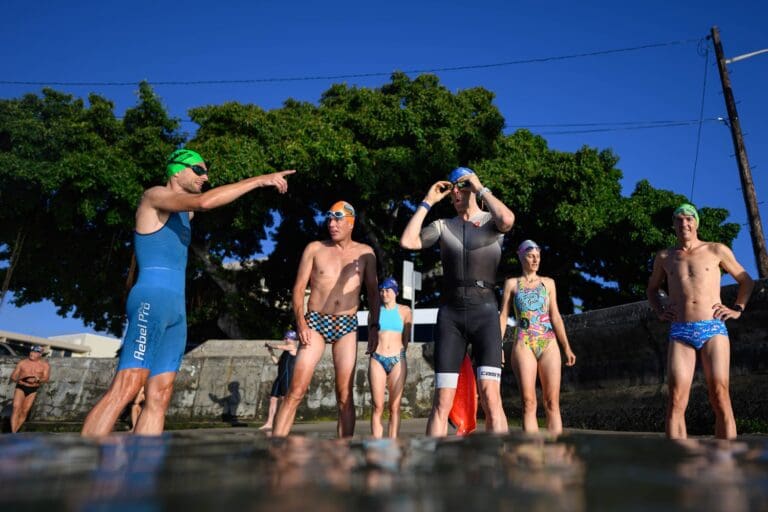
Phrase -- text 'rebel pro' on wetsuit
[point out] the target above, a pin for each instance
(157, 320)
(470, 252)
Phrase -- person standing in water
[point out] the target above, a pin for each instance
(539, 327)
(692, 271)
(470, 251)
(156, 336)
(388, 369)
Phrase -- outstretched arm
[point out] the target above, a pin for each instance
(162, 198)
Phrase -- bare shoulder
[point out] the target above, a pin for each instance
(363, 249)
(404, 310)
(548, 282)
(511, 283)
(719, 249)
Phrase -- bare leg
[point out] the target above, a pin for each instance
(158, 391)
(495, 419)
(21, 406)
(378, 380)
(271, 414)
(344, 359)
(306, 360)
(681, 363)
(716, 361)
(525, 367)
(549, 374)
(135, 412)
(396, 385)
(126, 384)
(437, 425)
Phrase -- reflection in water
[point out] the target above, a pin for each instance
(127, 473)
(712, 476)
(241, 469)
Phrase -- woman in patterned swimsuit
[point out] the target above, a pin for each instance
(534, 302)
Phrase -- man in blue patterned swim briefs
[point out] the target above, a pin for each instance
(335, 271)
(156, 335)
(691, 270)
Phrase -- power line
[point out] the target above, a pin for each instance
(624, 128)
(359, 75)
(701, 115)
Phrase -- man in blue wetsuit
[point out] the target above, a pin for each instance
(692, 271)
(157, 326)
(470, 250)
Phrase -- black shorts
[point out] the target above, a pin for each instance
(462, 320)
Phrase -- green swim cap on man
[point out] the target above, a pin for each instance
(687, 209)
(181, 159)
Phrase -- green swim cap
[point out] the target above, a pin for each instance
(687, 209)
(180, 160)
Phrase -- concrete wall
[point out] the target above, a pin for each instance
(617, 382)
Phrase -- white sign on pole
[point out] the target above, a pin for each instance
(408, 280)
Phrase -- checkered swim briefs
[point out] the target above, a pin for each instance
(331, 327)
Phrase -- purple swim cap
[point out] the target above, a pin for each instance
(526, 246)
(290, 335)
(391, 284)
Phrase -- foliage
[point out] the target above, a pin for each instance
(72, 174)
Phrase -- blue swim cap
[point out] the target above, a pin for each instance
(290, 335)
(391, 284)
(459, 173)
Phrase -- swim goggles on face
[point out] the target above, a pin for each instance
(197, 169)
(336, 215)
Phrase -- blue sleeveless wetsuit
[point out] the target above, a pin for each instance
(157, 321)
(389, 320)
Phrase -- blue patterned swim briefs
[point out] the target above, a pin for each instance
(331, 327)
(696, 334)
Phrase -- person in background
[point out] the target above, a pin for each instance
(28, 375)
(284, 373)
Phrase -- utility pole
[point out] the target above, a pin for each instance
(747, 185)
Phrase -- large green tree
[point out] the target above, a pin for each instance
(73, 174)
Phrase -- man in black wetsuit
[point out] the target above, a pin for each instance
(470, 249)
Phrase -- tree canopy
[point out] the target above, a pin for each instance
(73, 173)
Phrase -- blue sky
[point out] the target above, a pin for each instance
(90, 41)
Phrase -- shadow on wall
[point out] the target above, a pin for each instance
(229, 404)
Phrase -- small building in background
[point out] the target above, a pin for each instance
(68, 345)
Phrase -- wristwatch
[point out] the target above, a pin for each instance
(738, 307)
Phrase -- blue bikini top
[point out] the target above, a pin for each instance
(389, 319)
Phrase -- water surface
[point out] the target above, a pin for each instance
(242, 469)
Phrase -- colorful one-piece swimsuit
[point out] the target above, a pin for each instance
(534, 327)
